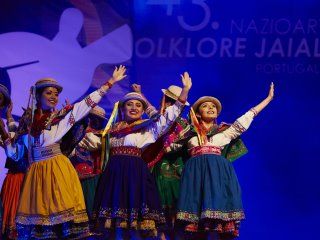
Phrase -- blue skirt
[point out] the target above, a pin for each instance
(127, 196)
(210, 191)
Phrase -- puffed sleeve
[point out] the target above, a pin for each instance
(234, 131)
(91, 142)
(80, 110)
(15, 150)
(164, 122)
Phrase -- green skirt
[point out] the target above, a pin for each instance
(89, 186)
(167, 174)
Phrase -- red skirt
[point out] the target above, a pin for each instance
(10, 194)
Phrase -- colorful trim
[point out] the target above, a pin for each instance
(151, 111)
(199, 150)
(66, 230)
(71, 120)
(211, 214)
(43, 153)
(188, 217)
(53, 219)
(125, 150)
(222, 215)
(132, 214)
(237, 125)
(90, 103)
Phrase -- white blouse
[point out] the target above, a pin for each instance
(56, 132)
(151, 133)
(223, 138)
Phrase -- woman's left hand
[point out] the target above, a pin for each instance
(271, 92)
(186, 80)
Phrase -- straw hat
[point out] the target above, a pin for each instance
(134, 96)
(173, 92)
(6, 96)
(48, 82)
(98, 111)
(203, 99)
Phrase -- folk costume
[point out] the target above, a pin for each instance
(127, 195)
(86, 158)
(51, 203)
(210, 194)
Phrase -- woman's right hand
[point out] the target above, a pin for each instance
(136, 88)
(118, 74)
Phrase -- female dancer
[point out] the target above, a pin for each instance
(167, 165)
(11, 186)
(210, 196)
(51, 203)
(127, 196)
(86, 157)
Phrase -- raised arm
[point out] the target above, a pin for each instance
(257, 109)
(171, 113)
(242, 123)
(82, 108)
(151, 111)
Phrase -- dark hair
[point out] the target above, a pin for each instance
(170, 100)
(39, 92)
(96, 122)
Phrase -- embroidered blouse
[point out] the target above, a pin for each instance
(55, 133)
(152, 132)
(223, 138)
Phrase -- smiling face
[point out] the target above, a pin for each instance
(207, 111)
(132, 110)
(49, 98)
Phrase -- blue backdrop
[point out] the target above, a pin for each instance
(232, 50)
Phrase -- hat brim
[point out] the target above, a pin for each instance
(201, 100)
(98, 115)
(57, 86)
(171, 95)
(122, 102)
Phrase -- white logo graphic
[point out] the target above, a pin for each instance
(61, 58)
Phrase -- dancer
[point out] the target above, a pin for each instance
(51, 203)
(167, 165)
(11, 187)
(86, 157)
(127, 196)
(210, 196)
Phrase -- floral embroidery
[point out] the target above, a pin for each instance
(71, 120)
(125, 150)
(90, 103)
(199, 150)
(238, 127)
(53, 219)
(211, 214)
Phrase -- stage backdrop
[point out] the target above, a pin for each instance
(232, 50)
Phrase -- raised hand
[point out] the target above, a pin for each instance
(257, 109)
(119, 73)
(186, 80)
(271, 91)
(187, 83)
(136, 88)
